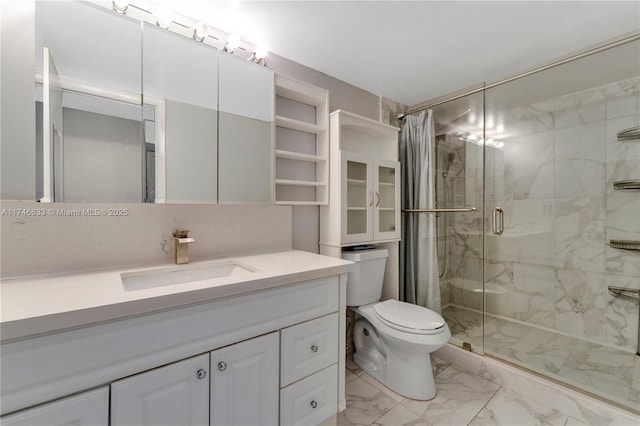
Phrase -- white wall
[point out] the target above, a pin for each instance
(61, 241)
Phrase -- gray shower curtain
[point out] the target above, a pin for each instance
(419, 283)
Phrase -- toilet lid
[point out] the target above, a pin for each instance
(409, 317)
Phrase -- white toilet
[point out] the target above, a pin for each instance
(392, 339)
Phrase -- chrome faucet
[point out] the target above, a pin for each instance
(182, 240)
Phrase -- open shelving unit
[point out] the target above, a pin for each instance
(301, 152)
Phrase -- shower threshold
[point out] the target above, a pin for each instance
(605, 371)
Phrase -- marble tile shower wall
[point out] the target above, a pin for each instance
(554, 180)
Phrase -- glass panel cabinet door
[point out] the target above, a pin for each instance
(357, 197)
(387, 200)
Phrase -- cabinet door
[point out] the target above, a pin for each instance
(357, 198)
(177, 394)
(87, 408)
(387, 200)
(245, 132)
(244, 382)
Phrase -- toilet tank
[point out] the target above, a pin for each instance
(365, 283)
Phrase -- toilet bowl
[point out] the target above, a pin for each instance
(393, 340)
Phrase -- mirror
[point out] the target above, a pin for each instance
(137, 113)
(181, 85)
(88, 89)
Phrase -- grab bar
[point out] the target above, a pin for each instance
(467, 210)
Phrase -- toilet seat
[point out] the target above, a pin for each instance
(409, 318)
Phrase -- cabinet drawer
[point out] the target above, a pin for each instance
(308, 347)
(87, 408)
(312, 400)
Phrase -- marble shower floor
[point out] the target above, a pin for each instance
(463, 399)
(602, 370)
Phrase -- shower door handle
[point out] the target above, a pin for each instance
(498, 221)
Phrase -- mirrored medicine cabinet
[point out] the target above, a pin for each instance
(129, 112)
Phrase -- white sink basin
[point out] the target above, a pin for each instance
(140, 280)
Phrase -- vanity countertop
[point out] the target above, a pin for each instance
(49, 303)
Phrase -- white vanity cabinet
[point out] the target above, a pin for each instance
(244, 382)
(86, 408)
(217, 363)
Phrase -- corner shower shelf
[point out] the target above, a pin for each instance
(627, 185)
(625, 244)
(630, 134)
(624, 293)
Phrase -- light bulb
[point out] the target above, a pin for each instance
(490, 142)
(261, 52)
(164, 17)
(481, 142)
(120, 6)
(233, 42)
(499, 144)
(472, 137)
(201, 32)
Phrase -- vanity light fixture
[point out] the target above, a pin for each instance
(233, 42)
(163, 17)
(201, 32)
(120, 6)
(259, 56)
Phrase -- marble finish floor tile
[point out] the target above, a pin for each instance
(574, 422)
(460, 397)
(398, 416)
(509, 408)
(438, 365)
(365, 403)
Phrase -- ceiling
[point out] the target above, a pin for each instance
(413, 51)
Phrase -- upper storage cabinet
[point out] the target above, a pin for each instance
(302, 143)
(165, 118)
(364, 204)
(245, 131)
(181, 124)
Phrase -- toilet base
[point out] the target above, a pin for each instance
(409, 375)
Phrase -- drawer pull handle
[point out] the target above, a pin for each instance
(222, 366)
(201, 374)
(314, 348)
(314, 404)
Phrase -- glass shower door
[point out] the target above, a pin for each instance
(554, 208)
(459, 185)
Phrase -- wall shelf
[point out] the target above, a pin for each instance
(301, 126)
(302, 144)
(295, 182)
(292, 155)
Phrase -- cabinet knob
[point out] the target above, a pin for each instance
(313, 404)
(314, 348)
(222, 366)
(201, 374)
